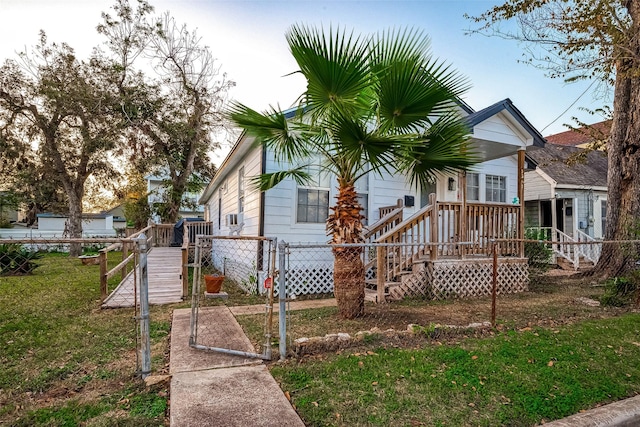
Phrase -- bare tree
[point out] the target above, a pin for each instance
(175, 111)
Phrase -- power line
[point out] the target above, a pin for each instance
(570, 106)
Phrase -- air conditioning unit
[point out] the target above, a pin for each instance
(233, 220)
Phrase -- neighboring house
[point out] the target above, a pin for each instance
(298, 213)
(95, 224)
(583, 136)
(155, 190)
(119, 220)
(567, 190)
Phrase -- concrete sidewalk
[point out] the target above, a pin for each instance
(215, 389)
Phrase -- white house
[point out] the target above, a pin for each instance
(298, 213)
(472, 208)
(155, 190)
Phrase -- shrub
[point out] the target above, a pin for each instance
(16, 259)
(539, 254)
(619, 291)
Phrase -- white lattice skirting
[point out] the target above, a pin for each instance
(473, 278)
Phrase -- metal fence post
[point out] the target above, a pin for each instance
(282, 298)
(145, 350)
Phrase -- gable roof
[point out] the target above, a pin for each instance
(582, 135)
(478, 117)
(552, 160)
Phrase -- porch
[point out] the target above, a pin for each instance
(445, 250)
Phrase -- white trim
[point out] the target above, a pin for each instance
(582, 187)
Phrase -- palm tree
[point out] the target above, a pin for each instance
(372, 104)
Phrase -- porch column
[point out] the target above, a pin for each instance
(521, 153)
(462, 180)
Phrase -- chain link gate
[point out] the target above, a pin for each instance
(246, 268)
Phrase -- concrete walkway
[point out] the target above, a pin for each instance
(215, 389)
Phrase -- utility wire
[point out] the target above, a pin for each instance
(570, 106)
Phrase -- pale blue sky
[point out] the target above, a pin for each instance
(247, 37)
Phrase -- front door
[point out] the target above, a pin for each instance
(425, 190)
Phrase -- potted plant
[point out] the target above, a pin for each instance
(213, 283)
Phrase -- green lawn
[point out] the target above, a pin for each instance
(515, 378)
(66, 362)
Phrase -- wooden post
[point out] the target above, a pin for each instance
(185, 271)
(434, 227)
(125, 254)
(462, 179)
(521, 154)
(103, 275)
(494, 284)
(381, 273)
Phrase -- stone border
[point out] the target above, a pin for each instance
(343, 340)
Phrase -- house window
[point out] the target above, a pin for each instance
(313, 198)
(241, 190)
(496, 189)
(313, 205)
(473, 186)
(603, 216)
(362, 188)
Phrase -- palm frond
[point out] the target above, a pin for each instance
(267, 181)
(445, 148)
(412, 87)
(273, 130)
(335, 66)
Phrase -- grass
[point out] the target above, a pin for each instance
(65, 361)
(513, 378)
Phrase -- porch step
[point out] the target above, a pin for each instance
(373, 284)
(389, 295)
(372, 296)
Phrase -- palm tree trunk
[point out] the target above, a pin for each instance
(348, 281)
(345, 226)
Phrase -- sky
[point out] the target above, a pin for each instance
(248, 39)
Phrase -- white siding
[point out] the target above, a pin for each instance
(505, 166)
(384, 190)
(229, 185)
(497, 129)
(536, 187)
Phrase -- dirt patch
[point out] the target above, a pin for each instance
(557, 298)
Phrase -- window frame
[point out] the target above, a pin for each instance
(489, 188)
(241, 190)
(320, 183)
(476, 187)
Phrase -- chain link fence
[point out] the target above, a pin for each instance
(415, 292)
(233, 276)
(41, 284)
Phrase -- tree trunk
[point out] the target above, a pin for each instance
(75, 222)
(623, 199)
(345, 226)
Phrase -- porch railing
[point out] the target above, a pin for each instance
(125, 267)
(446, 230)
(591, 250)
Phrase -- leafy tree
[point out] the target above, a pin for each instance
(134, 200)
(372, 104)
(174, 113)
(592, 40)
(57, 111)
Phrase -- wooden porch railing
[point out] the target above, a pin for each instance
(435, 229)
(127, 258)
(390, 217)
